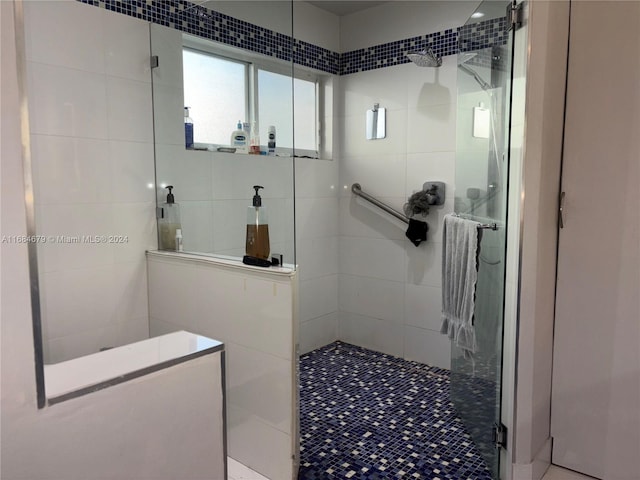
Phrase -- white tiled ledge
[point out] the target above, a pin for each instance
(94, 372)
(231, 263)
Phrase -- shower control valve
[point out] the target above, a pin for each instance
(435, 192)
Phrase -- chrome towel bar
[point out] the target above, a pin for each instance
(357, 189)
(483, 226)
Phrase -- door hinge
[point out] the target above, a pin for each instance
(154, 61)
(514, 16)
(499, 435)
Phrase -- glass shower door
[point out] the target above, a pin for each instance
(482, 158)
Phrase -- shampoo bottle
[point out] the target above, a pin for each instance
(271, 145)
(239, 139)
(254, 146)
(188, 129)
(168, 223)
(257, 244)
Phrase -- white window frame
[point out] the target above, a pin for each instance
(253, 63)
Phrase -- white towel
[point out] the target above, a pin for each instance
(460, 249)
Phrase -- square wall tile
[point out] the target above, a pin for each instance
(354, 141)
(361, 91)
(378, 175)
(372, 257)
(130, 294)
(431, 167)
(318, 332)
(167, 44)
(132, 171)
(90, 306)
(197, 226)
(359, 218)
(424, 262)
(431, 129)
(126, 47)
(423, 307)
(427, 346)
(188, 171)
(69, 170)
(317, 257)
(134, 231)
(234, 176)
(168, 115)
(229, 224)
(130, 110)
(316, 178)
(316, 217)
(70, 226)
(373, 333)
(68, 102)
(259, 384)
(432, 86)
(372, 297)
(82, 44)
(318, 297)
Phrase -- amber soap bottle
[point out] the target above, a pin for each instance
(257, 243)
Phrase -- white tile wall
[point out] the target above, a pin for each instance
(253, 313)
(390, 290)
(317, 228)
(318, 332)
(92, 152)
(67, 102)
(335, 233)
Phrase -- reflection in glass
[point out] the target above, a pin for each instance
(484, 84)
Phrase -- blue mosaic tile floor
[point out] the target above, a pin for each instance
(366, 415)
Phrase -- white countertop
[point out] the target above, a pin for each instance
(98, 370)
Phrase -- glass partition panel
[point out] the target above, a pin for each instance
(482, 159)
(217, 71)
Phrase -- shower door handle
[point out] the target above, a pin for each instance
(561, 210)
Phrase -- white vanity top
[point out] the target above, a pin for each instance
(93, 372)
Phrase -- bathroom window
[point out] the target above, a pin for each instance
(221, 91)
(275, 107)
(216, 92)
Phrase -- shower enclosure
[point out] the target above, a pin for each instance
(482, 163)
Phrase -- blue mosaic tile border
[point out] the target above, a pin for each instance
(394, 53)
(481, 35)
(202, 22)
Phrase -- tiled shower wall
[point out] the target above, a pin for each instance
(360, 279)
(389, 289)
(92, 150)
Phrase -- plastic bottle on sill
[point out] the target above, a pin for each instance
(271, 145)
(188, 129)
(254, 147)
(239, 139)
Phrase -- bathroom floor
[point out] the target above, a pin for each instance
(365, 415)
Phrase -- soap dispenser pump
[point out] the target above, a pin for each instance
(169, 222)
(257, 244)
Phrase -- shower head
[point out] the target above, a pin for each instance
(487, 87)
(464, 57)
(425, 58)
